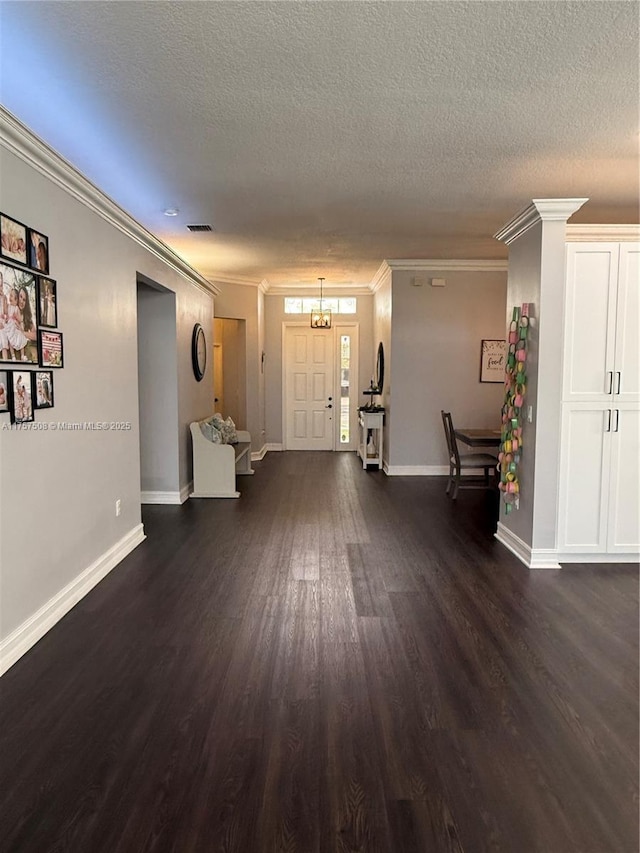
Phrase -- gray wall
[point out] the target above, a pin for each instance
(274, 318)
(436, 335)
(65, 483)
(157, 390)
(244, 302)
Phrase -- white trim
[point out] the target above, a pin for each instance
(256, 456)
(542, 558)
(22, 142)
(223, 279)
(602, 233)
(36, 626)
(416, 470)
(539, 210)
(449, 264)
(382, 276)
(339, 290)
(166, 497)
(597, 558)
(274, 447)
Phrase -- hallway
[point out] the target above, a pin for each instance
(338, 661)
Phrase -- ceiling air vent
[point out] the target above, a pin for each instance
(199, 228)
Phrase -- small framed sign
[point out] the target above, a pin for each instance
(492, 361)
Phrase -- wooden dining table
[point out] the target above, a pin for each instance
(478, 437)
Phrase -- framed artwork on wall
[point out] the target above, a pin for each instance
(47, 302)
(50, 347)
(21, 402)
(4, 391)
(13, 239)
(18, 315)
(38, 251)
(44, 389)
(492, 361)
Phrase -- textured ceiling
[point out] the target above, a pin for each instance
(320, 137)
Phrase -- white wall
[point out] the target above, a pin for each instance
(64, 484)
(436, 335)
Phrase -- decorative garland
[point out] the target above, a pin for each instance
(515, 385)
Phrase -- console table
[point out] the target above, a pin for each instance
(371, 424)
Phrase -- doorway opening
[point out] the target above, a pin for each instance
(230, 369)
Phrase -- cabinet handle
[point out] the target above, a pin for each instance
(608, 427)
(609, 382)
(617, 420)
(618, 382)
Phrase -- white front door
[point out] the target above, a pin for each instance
(309, 388)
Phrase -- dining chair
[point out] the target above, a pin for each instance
(458, 463)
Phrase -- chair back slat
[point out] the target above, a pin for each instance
(452, 444)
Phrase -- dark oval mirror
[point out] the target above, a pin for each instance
(380, 368)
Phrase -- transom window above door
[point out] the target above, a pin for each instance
(338, 305)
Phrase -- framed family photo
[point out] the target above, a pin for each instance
(44, 389)
(13, 239)
(50, 346)
(4, 391)
(492, 361)
(38, 252)
(18, 315)
(21, 402)
(47, 304)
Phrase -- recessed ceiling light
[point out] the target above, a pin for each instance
(171, 211)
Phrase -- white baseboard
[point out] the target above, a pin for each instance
(167, 497)
(260, 454)
(36, 626)
(572, 557)
(540, 558)
(416, 470)
(275, 446)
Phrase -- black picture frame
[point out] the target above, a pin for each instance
(5, 378)
(47, 302)
(13, 239)
(43, 389)
(38, 249)
(23, 282)
(21, 408)
(50, 348)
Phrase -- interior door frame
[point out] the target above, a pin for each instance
(352, 326)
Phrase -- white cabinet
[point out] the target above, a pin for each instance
(371, 437)
(602, 347)
(599, 500)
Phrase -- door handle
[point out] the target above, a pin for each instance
(610, 382)
(329, 406)
(617, 420)
(618, 375)
(608, 427)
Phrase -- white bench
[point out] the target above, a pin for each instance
(215, 465)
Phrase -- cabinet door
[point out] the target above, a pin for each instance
(627, 354)
(583, 500)
(624, 500)
(589, 326)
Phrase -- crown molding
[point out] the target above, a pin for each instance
(243, 281)
(19, 140)
(539, 210)
(449, 265)
(602, 233)
(382, 276)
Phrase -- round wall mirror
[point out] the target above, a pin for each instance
(380, 368)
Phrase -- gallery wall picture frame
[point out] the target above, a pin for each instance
(38, 246)
(21, 407)
(493, 357)
(13, 239)
(18, 313)
(47, 302)
(50, 348)
(5, 378)
(43, 392)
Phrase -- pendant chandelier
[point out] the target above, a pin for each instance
(321, 317)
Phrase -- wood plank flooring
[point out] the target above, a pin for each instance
(337, 662)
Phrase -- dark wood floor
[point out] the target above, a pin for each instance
(338, 661)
